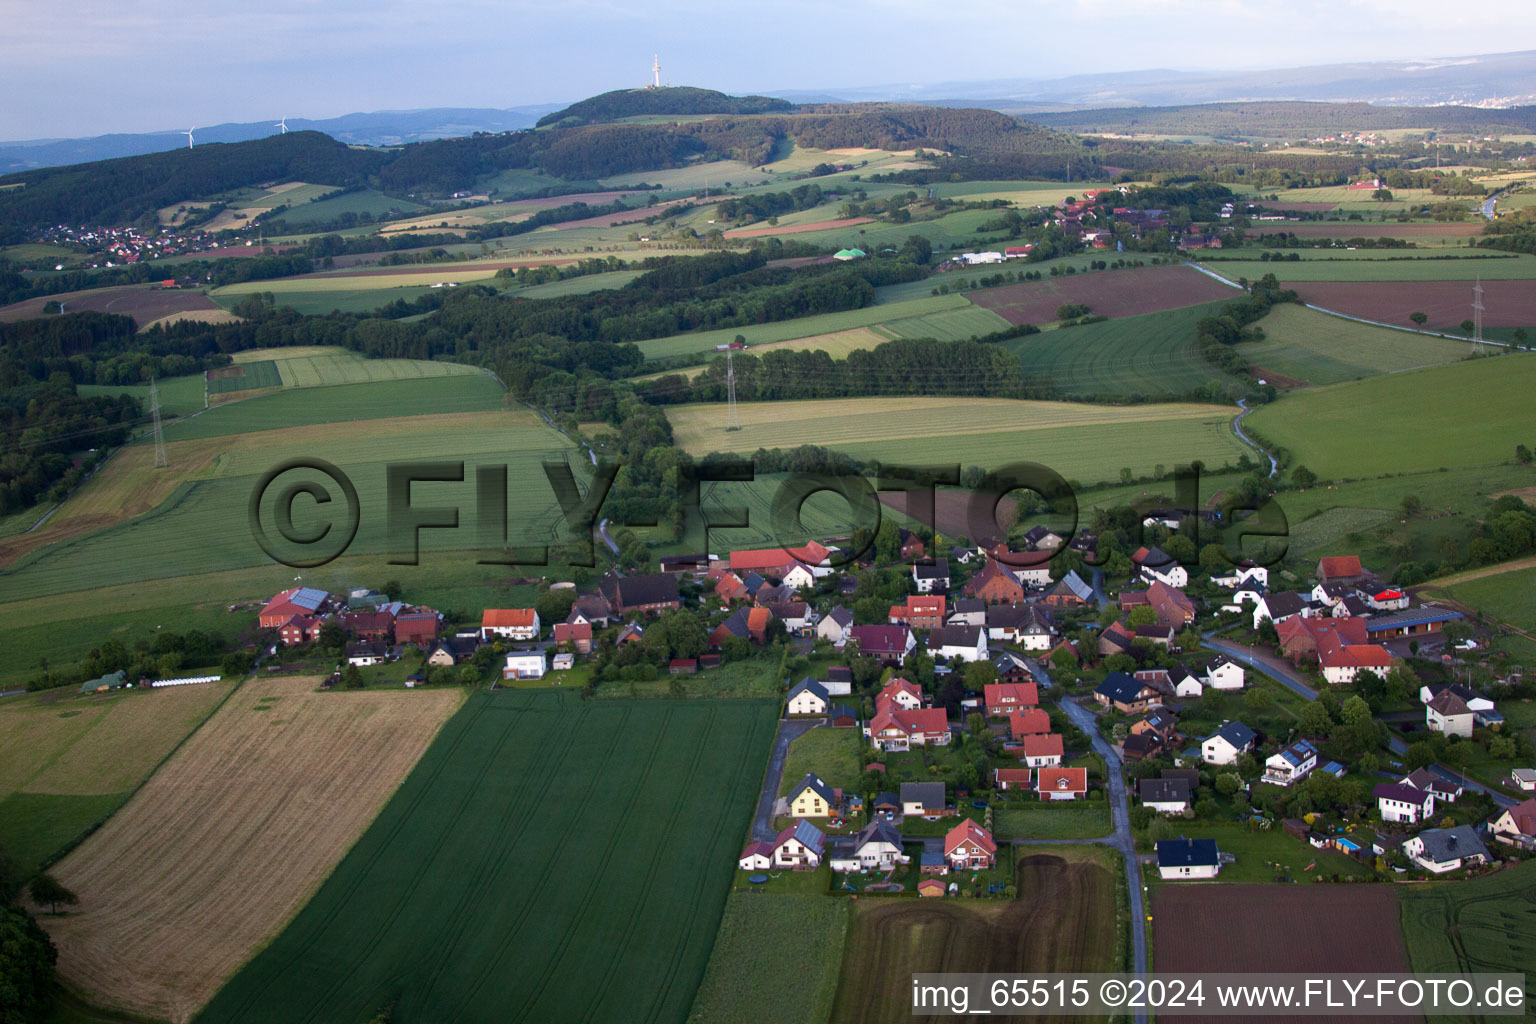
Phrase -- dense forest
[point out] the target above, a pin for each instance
(679, 99)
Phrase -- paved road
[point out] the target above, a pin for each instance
(1098, 588)
(1399, 746)
(789, 730)
(1237, 428)
(602, 531)
(1268, 664)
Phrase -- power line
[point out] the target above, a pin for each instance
(731, 420)
(162, 460)
(1477, 318)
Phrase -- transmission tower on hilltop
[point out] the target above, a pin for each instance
(1478, 348)
(731, 420)
(161, 458)
(656, 71)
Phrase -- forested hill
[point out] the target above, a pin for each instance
(1289, 119)
(120, 191)
(681, 99)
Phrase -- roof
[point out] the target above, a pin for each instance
(967, 831)
(1029, 722)
(844, 711)
(1121, 687)
(1284, 603)
(929, 794)
(808, 835)
(878, 832)
(1523, 815)
(655, 588)
(840, 615)
(1298, 753)
(1163, 791)
(367, 649)
(1421, 616)
(1398, 791)
(1027, 694)
(1016, 776)
(954, 636)
(507, 618)
(811, 686)
(756, 850)
(887, 800)
(1061, 779)
(1447, 703)
(1335, 566)
(1073, 582)
(1043, 744)
(813, 782)
(763, 558)
(938, 569)
(882, 639)
(1447, 844)
(1188, 853)
(573, 631)
(1235, 733)
(758, 619)
(736, 624)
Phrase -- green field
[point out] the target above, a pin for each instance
(1086, 820)
(1508, 596)
(338, 366)
(1264, 856)
(806, 327)
(575, 285)
(833, 755)
(957, 324)
(250, 377)
(548, 859)
(1152, 355)
(764, 938)
(373, 203)
(1469, 413)
(179, 396)
(1310, 346)
(1372, 266)
(1481, 924)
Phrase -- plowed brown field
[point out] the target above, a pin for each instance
(1113, 293)
(229, 839)
(1447, 303)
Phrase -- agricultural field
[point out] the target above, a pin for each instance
(1090, 820)
(71, 759)
(950, 325)
(1068, 894)
(575, 285)
(1082, 442)
(1463, 414)
(169, 905)
(1381, 266)
(472, 913)
(318, 366)
(179, 396)
(1152, 355)
(1422, 234)
(1114, 293)
(700, 342)
(246, 376)
(763, 938)
(1447, 303)
(1509, 597)
(1482, 924)
(144, 303)
(1310, 347)
(1232, 928)
(367, 201)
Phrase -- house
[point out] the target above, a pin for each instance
(1028, 722)
(419, 627)
(1125, 693)
(1241, 576)
(1006, 698)
(1117, 638)
(958, 643)
(1398, 802)
(756, 857)
(574, 636)
(1159, 722)
(1188, 858)
(697, 562)
(799, 847)
(1299, 635)
(923, 799)
(591, 608)
(509, 624)
(730, 588)
(1039, 538)
(1222, 673)
(1011, 667)
(812, 798)
(737, 625)
(968, 845)
(1280, 606)
(799, 576)
(1291, 765)
(1165, 796)
(967, 611)
(894, 728)
(524, 666)
(1516, 825)
(652, 594)
(452, 650)
(1173, 606)
(1042, 750)
(630, 634)
(1423, 779)
(1387, 599)
(1011, 778)
(843, 717)
(1029, 626)
(931, 577)
(565, 660)
(1448, 714)
(877, 847)
(1340, 569)
(301, 629)
(1069, 592)
(903, 693)
(994, 585)
(758, 621)
(1160, 634)
(888, 644)
(1341, 663)
(291, 602)
(911, 545)
(1156, 565)
(1226, 744)
(1058, 783)
(1524, 778)
(369, 625)
(1446, 849)
(367, 652)
(921, 611)
(807, 697)
(834, 625)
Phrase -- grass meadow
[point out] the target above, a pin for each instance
(179, 396)
(1316, 348)
(1463, 414)
(548, 859)
(1509, 597)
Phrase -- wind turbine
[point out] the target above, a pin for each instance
(283, 124)
(188, 134)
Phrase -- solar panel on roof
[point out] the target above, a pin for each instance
(309, 597)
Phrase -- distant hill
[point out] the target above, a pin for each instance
(1287, 120)
(681, 99)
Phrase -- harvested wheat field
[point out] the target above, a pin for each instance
(228, 840)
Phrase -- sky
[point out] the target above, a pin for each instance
(90, 67)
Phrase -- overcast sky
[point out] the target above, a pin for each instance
(93, 66)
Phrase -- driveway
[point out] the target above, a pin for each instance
(789, 730)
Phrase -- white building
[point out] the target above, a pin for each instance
(1224, 674)
(1446, 849)
(1227, 744)
(524, 666)
(1291, 765)
(1397, 802)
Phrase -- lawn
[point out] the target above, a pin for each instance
(1468, 413)
(1088, 819)
(1152, 355)
(1267, 856)
(755, 677)
(1316, 348)
(764, 938)
(836, 756)
(606, 910)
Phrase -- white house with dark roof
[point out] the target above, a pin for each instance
(808, 697)
(1227, 744)
(800, 847)
(958, 643)
(834, 625)
(1188, 858)
(1222, 673)
(1291, 765)
(877, 847)
(1165, 796)
(1446, 849)
(1397, 802)
(1449, 714)
(931, 576)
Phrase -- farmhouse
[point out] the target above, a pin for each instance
(301, 629)
(799, 847)
(808, 697)
(994, 585)
(812, 798)
(1299, 636)
(1172, 606)
(1446, 849)
(369, 625)
(1069, 592)
(291, 602)
(1226, 744)
(524, 666)
(509, 624)
(1340, 569)
(1291, 765)
(419, 627)
(1058, 783)
(1188, 858)
(922, 799)
(1165, 796)
(1397, 802)
(367, 652)
(968, 845)
(653, 593)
